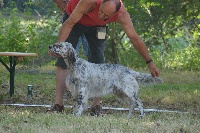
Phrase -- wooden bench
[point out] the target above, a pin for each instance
(13, 57)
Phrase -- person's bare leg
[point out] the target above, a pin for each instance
(96, 101)
(96, 109)
(60, 85)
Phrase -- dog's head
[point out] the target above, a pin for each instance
(65, 50)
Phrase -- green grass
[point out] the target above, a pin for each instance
(25, 120)
(180, 91)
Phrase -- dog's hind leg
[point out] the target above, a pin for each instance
(140, 106)
(131, 108)
(126, 99)
(131, 100)
(132, 104)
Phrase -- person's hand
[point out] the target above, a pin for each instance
(19, 58)
(61, 4)
(153, 69)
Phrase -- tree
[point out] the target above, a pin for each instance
(159, 22)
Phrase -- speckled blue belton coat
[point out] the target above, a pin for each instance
(87, 80)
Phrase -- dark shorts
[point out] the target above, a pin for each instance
(96, 46)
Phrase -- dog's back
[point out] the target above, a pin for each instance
(141, 78)
(102, 78)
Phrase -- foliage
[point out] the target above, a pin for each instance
(36, 7)
(27, 33)
(1, 3)
(157, 20)
(170, 30)
(182, 59)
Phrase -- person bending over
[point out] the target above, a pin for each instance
(89, 17)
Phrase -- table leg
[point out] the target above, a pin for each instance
(13, 61)
(5, 65)
(12, 73)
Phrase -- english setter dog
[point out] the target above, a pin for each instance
(88, 80)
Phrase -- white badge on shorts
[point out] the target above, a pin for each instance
(101, 32)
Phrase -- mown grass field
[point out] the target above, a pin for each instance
(179, 92)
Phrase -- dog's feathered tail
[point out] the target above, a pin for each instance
(142, 78)
(145, 79)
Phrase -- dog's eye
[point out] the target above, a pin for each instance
(55, 46)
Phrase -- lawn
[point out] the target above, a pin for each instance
(179, 92)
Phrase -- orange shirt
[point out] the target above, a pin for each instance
(91, 18)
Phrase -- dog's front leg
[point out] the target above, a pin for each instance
(75, 105)
(81, 101)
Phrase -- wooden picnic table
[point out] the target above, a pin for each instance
(13, 57)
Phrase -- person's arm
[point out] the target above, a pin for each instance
(83, 7)
(126, 23)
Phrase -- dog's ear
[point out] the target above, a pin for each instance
(72, 56)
